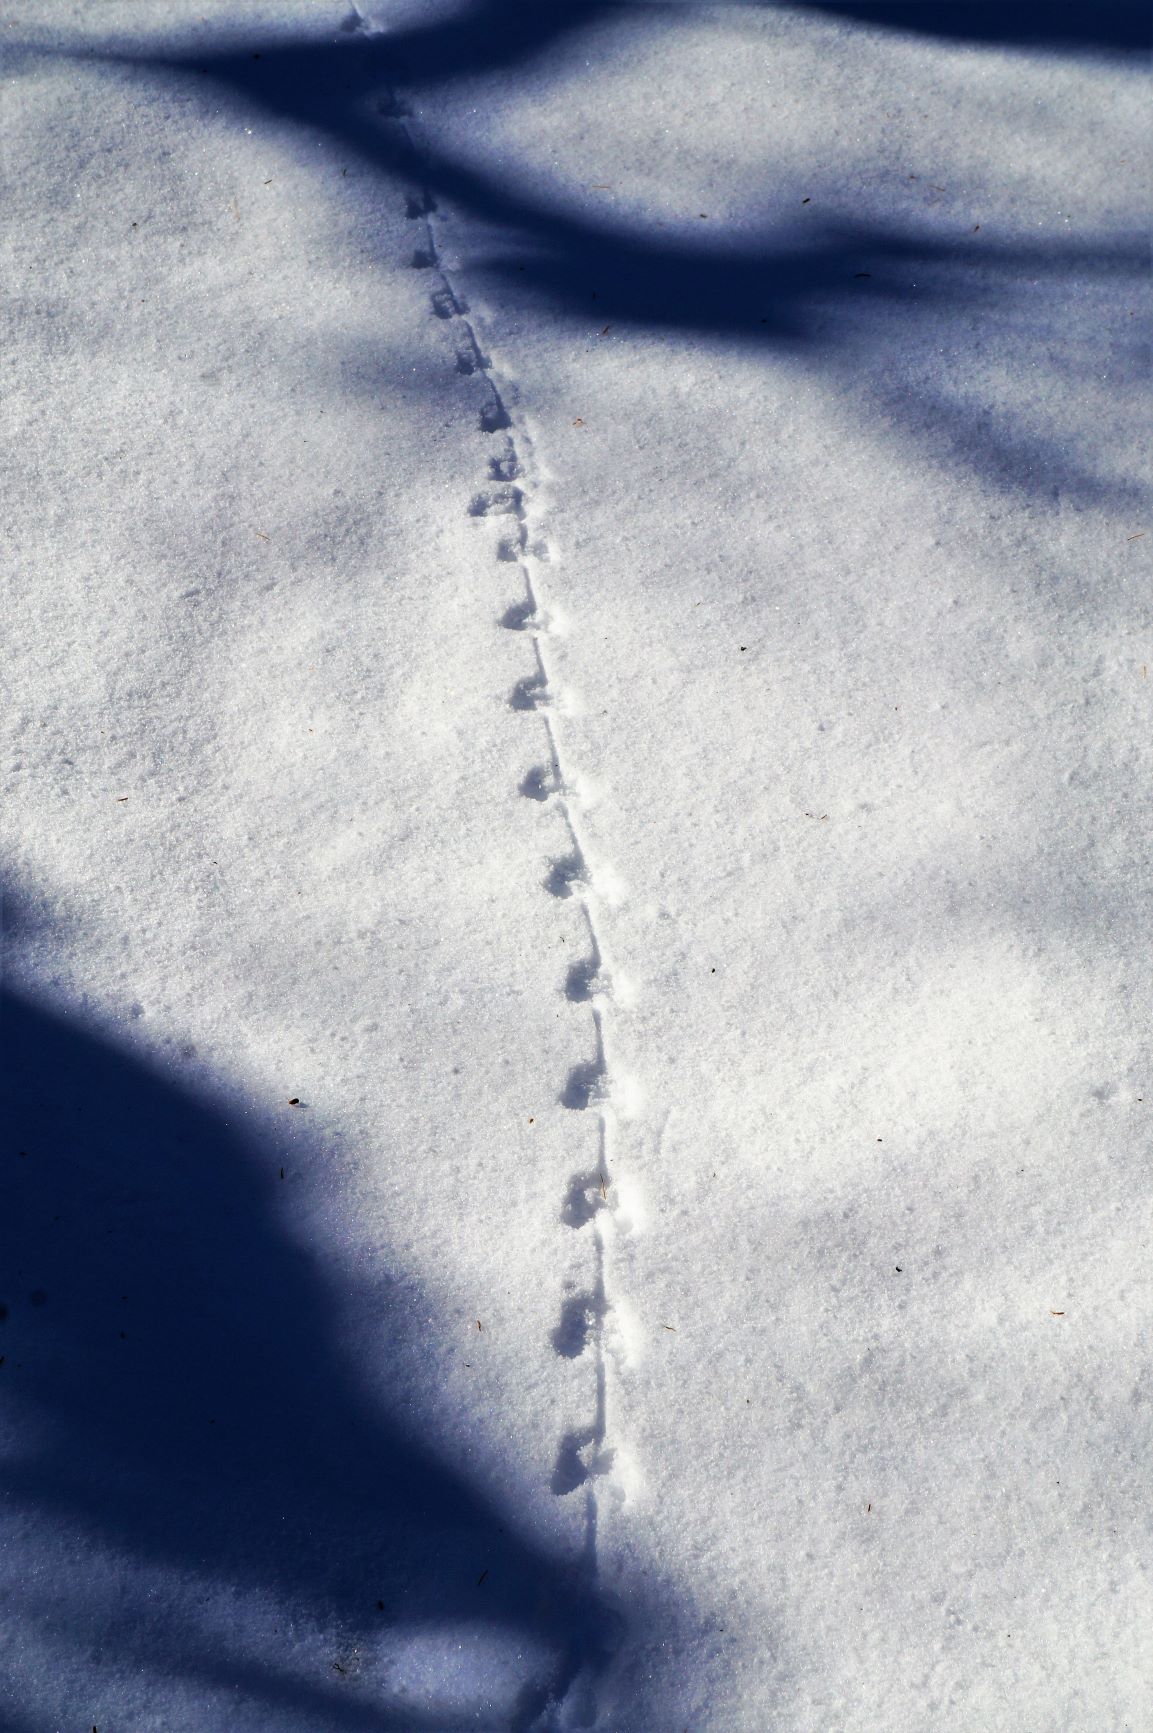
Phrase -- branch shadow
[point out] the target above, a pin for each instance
(178, 1397)
(1047, 26)
(841, 293)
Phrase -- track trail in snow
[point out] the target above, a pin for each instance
(587, 1456)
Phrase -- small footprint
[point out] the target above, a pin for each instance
(419, 204)
(586, 981)
(446, 305)
(544, 781)
(539, 784)
(506, 468)
(585, 1086)
(500, 502)
(494, 417)
(532, 693)
(393, 107)
(518, 617)
(579, 1316)
(587, 1193)
(523, 617)
(564, 874)
(579, 1459)
(423, 260)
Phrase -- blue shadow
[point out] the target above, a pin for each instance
(178, 1393)
(831, 288)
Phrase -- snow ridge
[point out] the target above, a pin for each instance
(593, 1085)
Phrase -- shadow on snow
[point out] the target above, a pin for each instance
(178, 1395)
(841, 292)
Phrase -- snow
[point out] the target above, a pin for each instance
(575, 1038)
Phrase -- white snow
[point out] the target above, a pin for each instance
(576, 788)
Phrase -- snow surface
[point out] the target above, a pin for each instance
(576, 872)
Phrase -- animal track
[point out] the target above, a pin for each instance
(494, 417)
(586, 1086)
(586, 981)
(544, 782)
(445, 304)
(522, 616)
(565, 874)
(583, 1456)
(579, 1316)
(500, 502)
(587, 1193)
(532, 693)
(506, 467)
(538, 784)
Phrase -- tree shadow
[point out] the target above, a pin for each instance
(841, 293)
(178, 1397)
(1052, 26)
